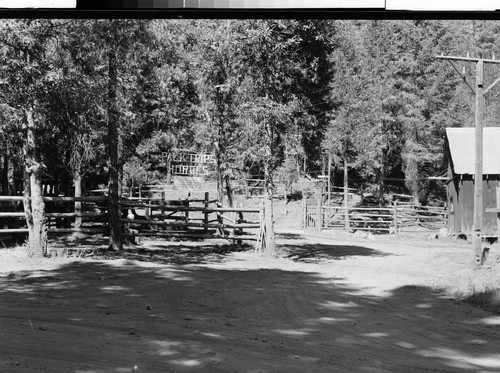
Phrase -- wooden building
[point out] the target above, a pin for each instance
(460, 157)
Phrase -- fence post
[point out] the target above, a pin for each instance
(162, 211)
(205, 213)
(319, 219)
(187, 213)
(395, 217)
(304, 214)
(347, 223)
(238, 218)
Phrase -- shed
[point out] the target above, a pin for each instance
(460, 158)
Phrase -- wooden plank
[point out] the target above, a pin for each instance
(76, 199)
(81, 230)
(370, 229)
(74, 214)
(374, 216)
(20, 230)
(11, 198)
(189, 224)
(190, 235)
(12, 215)
(59, 230)
(358, 208)
(184, 208)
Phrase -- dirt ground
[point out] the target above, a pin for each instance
(336, 302)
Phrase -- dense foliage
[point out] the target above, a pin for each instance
(261, 95)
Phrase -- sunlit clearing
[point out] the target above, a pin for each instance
(188, 363)
(458, 359)
(495, 320)
(293, 332)
(19, 290)
(173, 275)
(489, 361)
(407, 345)
(337, 306)
(376, 335)
(478, 342)
(167, 347)
(125, 370)
(423, 305)
(114, 288)
(212, 335)
(331, 320)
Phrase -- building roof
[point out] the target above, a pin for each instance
(461, 144)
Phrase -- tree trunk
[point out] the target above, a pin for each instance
(416, 199)
(113, 143)
(169, 169)
(220, 177)
(270, 238)
(78, 193)
(11, 181)
(9, 184)
(4, 177)
(329, 185)
(33, 202)
(39, 245)
(27, 208)
(229, 191)
(381, 183)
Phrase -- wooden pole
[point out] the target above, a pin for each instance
(319, 220)
(329, 178)
(478, 166)
(304, 214)
(205, 214)
(346, 195)
(78, 193)
(395, 212)
(478, 152)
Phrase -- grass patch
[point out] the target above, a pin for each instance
(478, 286)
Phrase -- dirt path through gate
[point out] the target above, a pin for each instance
(337, 303)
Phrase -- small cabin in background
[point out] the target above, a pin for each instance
(460, 158)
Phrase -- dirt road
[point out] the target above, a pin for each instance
(337, 304)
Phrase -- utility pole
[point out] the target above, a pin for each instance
(480, 93)
(329, 177)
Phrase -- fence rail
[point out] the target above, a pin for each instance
(392, 219)
(190, 218)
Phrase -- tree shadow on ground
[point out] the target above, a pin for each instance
(125, 316)
(289, 236)
(78, 242)
(174, 253)
(312, 253)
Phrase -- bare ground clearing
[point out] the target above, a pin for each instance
(337, 303)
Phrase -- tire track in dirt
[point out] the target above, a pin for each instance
(366, 312)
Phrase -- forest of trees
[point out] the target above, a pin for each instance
(85, 102)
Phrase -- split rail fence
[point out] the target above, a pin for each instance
(155, 217)
(193, 218)
(393, 219)
(64, 215)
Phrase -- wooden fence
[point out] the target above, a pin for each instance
(64, 215)
(190, 218)
(392, 219)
